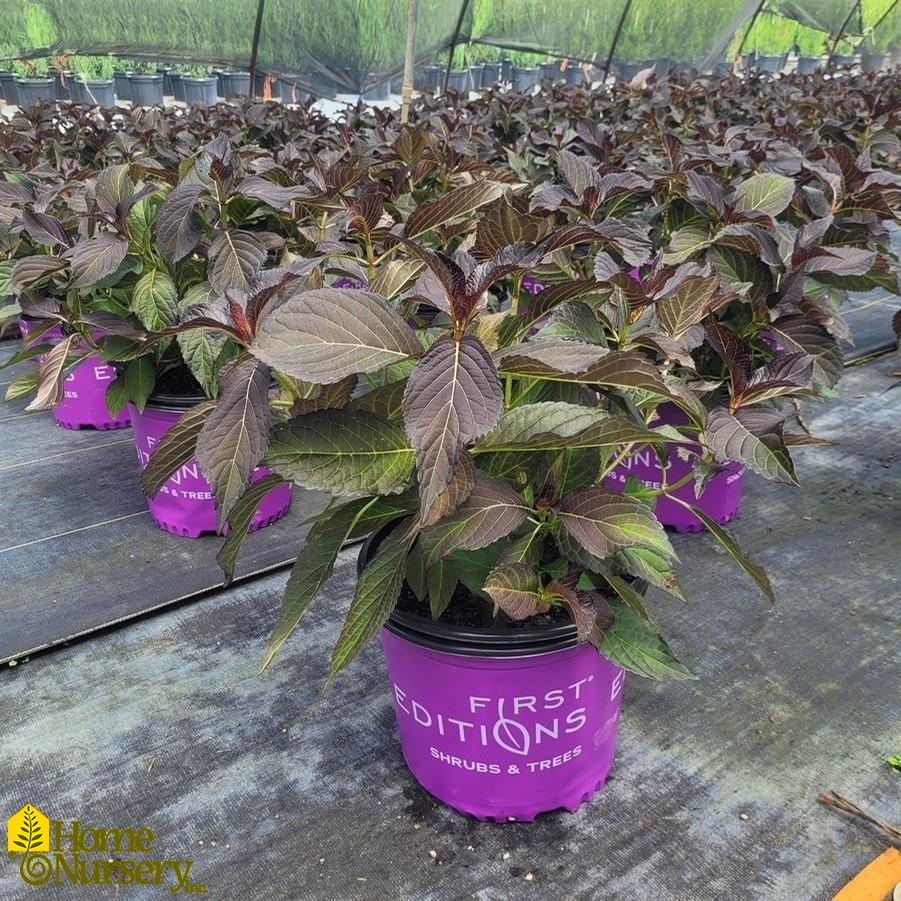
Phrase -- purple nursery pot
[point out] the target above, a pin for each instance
(720, 498)
(84, 390)
(185, 505)
(502, 724)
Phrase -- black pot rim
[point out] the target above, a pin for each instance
(163, 400)
(469, 642)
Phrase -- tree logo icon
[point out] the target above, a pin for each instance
(28, 830)
(27, 833)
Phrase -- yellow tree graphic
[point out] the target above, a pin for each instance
(28, 831)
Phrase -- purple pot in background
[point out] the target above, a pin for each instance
(532, 285)
(720, 498)
(84, 389)
(502, 724)
(185, 505)
(344, 282)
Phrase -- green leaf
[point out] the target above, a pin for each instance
(634, 644)
(492, 511)
(239, 522)
(327, 334)
(521, 425)
(377, 590)
(602, 522)
(516, 589)
(175, 448)
(894, 761)
(346, 452)
(385, 401)
(440, 584)
(453, 396)
(685, 243)
(116, 396)
(627, 592)
(574, 320)
(140, 220)
(456, 203)
(22, 385)
(755, 571)
(235, 435)
(313, 566)
(139, 378)
(472, 567)
(765, 192)
(393, 276)
(201, 350)
(155, 300)
(652, 565)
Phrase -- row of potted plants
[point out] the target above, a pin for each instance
(462, 328)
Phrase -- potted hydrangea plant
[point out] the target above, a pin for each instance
(471, 426)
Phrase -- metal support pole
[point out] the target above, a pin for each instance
(841, 31)
(255, 46)
(757, 12)
(450, 59)
(616, 35)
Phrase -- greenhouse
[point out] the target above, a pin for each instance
(450, 449)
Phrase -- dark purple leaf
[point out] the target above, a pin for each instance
(175, 448)
(458, 202)
(492, 511)
(705, 190)
(551, 198)
(504, 225)
(753, 436)
(177, 225)
(578, 172)
(236, 258)
(784, 375)
(51, 375)
(457, 491)
(842, 261)
(96, 258)
(45, 229)
(516, 589)
(453, 396)
(113, 185)
(687, 303)
(30, 272)
(235, 435)
(733, 351)
(276, 196)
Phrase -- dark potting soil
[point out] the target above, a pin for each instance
(177, 381)
(469, 611)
